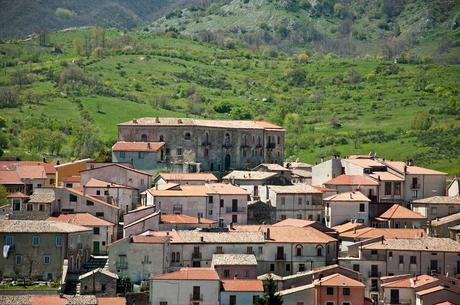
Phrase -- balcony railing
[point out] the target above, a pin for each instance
(374, 274)
(206, 143)
(196, 255)
(227, 145)
(374, 288)
(238, 210)
(280, 256)
(386, 301)
(415, 186)
(271, 145)
(374, 257)
(196, 297)
(433, 270)
(122, 265)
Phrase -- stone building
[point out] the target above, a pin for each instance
(35, 249)
(208, 145)
(99, 282)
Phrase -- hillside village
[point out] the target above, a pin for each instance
(209, 212)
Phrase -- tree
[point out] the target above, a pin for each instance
(421, 121)
(3, 195)
(86, 140)
(3, 142)
(270, 297)
(56, 141)
(34, 140)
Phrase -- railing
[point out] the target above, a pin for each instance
(196, 255)
(238, 210)
(374, 288)
(122, 265)
(206, 143)
(374, 274)
(196, 297)
(433, 270)
(415, 186)
(374, 257)
(271, 145)
(280, 256)
(227, 145)
(386, 301)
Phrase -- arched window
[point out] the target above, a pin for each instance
(187, 136)
(319, 250)
(162, 138)
(298, 250)
(143, 137)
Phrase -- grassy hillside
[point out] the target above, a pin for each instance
(358, 27)
(67, 105)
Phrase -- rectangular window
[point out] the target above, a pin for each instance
(397, 188)
(41, 207)
(434, 211)
(179, 151)
(30, 207)
(122, 154)
(362, 207)
(47, 259)
(72, 198)
(261, 250)
(89, 202)
(226, 273)
(249, 250)
(413, 259)
(387, 188)
(283, 217)
(9, 240)
(141, 155)
(329, 303)
(234, 218)
(232, 300)
(401, 259)
(99, 214)
(163, 303)
(299, 216)
(301, 267)
(146, 259)
(283, 201)
(35, 240)
(373, 252)
(210, 199)
(288, 267)
(219, 250)
(299, 201)
(390, 254)
(96, 231)
(18, 259)
(346, 291)
(272, 267)
(58, 241)
(356, 267)
(330, 290)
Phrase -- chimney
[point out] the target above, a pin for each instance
(58, 162)
(236, 276)
(44, 160)
(231, 226)
(157, 120)
(179, 121)
(84, 190)
(134, 121)
(202, 238)
(354, 230)
(268, 233)
(148, 145)
(322, 159)
(199, 218)
(405, 169)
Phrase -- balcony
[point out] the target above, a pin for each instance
(271, 145)
(280, 256)
(374, 257)
(433, 270)
(386, 301)
(227, 145)
(238, 210)
(196, 255)
(121, 265)
(374, 274)
(195, 297)
(374, 288)
(206, 143)
(415, 186)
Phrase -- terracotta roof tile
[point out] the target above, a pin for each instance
(430, 290)
(118, 165)
(31, 172)
(337, 279)
(397, 211)
(249, 175)
(409, 282)
(197, 274)
(138, 146)
(288, 234)
(184, 219)
(48, 166)
(271, 167)
(454, 218)
(301, 173)
(9, 177)
(39, 226)
(438, 200)
(364, 162)
(48, 300)
(365, 233)
(18, 195)
(188, 176)
(347, 197)
(351, 180)
(243, 285)
(199, 190)
(386, 176)
(400, 166)
(111, 301)
(348, 226)
(294, 189)
(71, 179)
(417, 244)
(143, 239)
(82, 219)
(294, 222)
(79, 191)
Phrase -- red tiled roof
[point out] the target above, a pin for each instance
(119, 165)
(365, 233)
(18, 195)
(268, 125)
(82, 219)
(301, 223)
(338, 279)
(410, 282)
(111, 301)
(138, 146)
(243, 285)
(386, 176)
(412, 170)
(348, 226)
(48, 300)
(148, 239)
(351, 180)
(399, 212)
(289, 234)
(348, 197)
(430, 290)
(324, 189)
(197, 274)
(189, 176)
(71, 179)
(96, 183)
(183, 219)
(9, 177)
(48, 166)
(31, 172)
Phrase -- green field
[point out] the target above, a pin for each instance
(327, 104)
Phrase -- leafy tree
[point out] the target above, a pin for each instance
(3, 195)
(270, 297)
(56, 141)
(421, 121)
(3, 142)
(2, 122)
(86, 140)
(8, 98)
(34, 140)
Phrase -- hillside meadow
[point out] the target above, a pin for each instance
(62, 99)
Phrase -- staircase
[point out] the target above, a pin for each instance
(95, 262)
